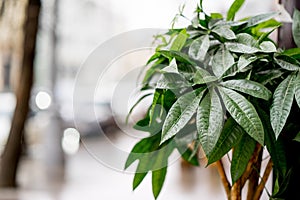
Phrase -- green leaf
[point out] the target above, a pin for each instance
(240, 48)
(230, 136)
(249, 87)
(296, 27)
(190, 158)
(171, 68)
(268, 47)
(241, 155)
(136, 103)
(159, 169)
(297, 138)
(157, 95)
(244, 113)
(271, 23)
(169, 99)
(277, 152)
(265, 35)
(297, 89)
(171, 81)
(187, 71)
(233, 24)
(202, 77)
(143, 167)
(282, 103)
(199, 47)
(222, 61)
(179, 56)
(162, 102)
(153, 69)
(232, 71)
(281, 186)
(269, 76)
(184, 138)
(155, 56)
(152, 157)
(138, 178)
(196, 33)
(234, 8)
(245, 60)
(180, 113)
(216, 15)
(179, 41)
(246, 39)
(210, 117)
(143, 146)
(158, 179)
(253, 21)
(213, 23)
(200, 7)
(287, 63)
(225, 32)
(142, 125)
(293, 52)
(274, 146)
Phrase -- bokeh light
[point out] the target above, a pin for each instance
(43, 100)
(71, 141)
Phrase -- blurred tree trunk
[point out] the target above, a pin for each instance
(285, 41)
(11, 155)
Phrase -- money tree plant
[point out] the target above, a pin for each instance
(221, 86)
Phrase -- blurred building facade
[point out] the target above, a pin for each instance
(11, 41)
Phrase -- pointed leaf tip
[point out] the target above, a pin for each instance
(282, 103)
(158, 179)
(234, 8)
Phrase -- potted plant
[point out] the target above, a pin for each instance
(222, 86)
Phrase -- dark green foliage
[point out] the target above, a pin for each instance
(220, 84)
(241, 156)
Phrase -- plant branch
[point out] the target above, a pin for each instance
(236, 190)
(249, 167)
(263, 181)
(254, 177)
(224, 179)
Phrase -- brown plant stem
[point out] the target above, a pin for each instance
(224, 179)
(236, 190)
(254, 177)
(263, 181)
(249, 167)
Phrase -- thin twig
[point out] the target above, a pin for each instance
(228, 157)
(224, 179)
(263, 181)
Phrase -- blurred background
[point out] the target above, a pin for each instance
(53, 163)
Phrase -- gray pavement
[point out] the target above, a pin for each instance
(85, 178)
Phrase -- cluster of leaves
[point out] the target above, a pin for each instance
(219, 84)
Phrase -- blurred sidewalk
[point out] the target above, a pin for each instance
(85, 178)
